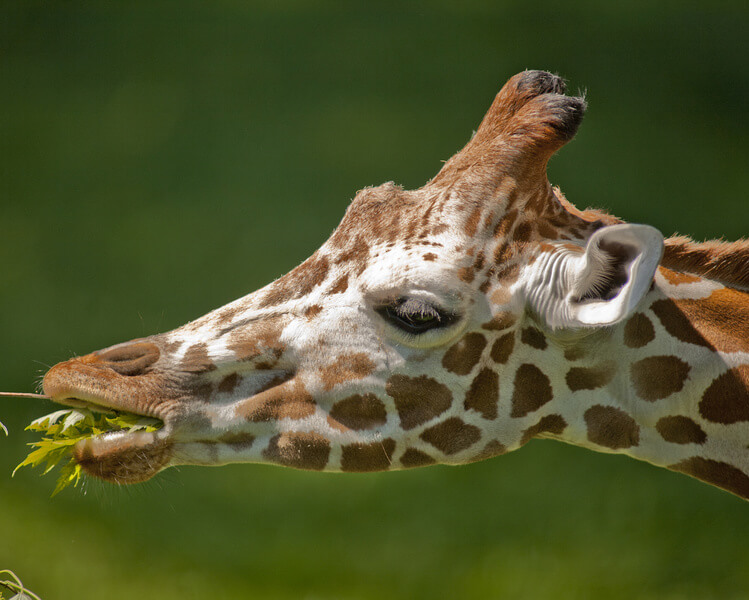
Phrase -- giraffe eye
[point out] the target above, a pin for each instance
(415, 316)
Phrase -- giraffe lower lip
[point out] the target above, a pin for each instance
(123, 457)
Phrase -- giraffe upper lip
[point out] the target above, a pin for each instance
(82, 383)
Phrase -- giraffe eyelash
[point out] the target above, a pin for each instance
(416, 317)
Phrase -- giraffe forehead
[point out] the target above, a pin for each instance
(387, 213)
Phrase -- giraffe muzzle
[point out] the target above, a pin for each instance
(121, 378)
(125, 378)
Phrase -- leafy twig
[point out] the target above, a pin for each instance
(15, 585)
(62, 429)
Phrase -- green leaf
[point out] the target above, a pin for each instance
(63, 429)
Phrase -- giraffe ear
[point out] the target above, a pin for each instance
(604, 284)
(614, 273)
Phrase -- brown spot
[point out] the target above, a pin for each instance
(573, 353)
(416, 458)
(261, 340)
(202, 390)
(505, 224)
(299, 450)
(364, 458)
(196, 360)
(508, 274)
(675, 278)
(500, 321)
(501, 295)
(721, 320)
(472, 221)
(532, 390)
(488, 218)
(228, 383)
(297, 283)
(492, 449)
(680, 430)
(347, 367)
(503, 253)
(611, 428)
(523, 232)
(657, 377)
(226, 315)
(359, 412)
(727, 399)
(312, 311)
(546, 230)
(536, 202)
(357, 255)
(533, 337)
(451, 436)
(590, 378)
(549, 424)
(483, 395)
(429, 257)
(479, 262)
(466, 274)
(463, 355)
(171, 347)
(438, 228)
(418, 399)
(274, 381)
(638, 331)
(716, 473)
(502, 348)
(340, 285)
(286, 401)
(676, 323)
(238, 441)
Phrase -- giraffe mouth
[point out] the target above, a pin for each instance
(119, 456)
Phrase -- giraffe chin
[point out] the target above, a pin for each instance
(123, 457)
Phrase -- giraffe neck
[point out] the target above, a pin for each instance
(670, 385)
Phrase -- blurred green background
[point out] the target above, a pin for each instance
(159, 159)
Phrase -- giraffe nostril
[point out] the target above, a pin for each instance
(131, 358)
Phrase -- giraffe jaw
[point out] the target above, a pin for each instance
(124, 457)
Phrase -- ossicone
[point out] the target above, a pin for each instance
(529, 120)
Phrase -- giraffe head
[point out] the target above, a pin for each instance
(411, 337)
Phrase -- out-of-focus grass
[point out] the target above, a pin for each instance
(551, 520)
(160, 159)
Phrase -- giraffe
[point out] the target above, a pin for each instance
(451, 324)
